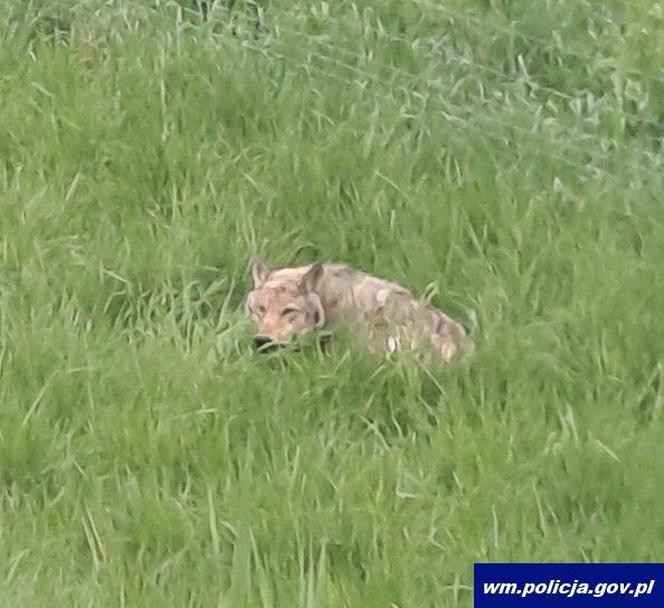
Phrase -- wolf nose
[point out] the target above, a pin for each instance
(262, 342)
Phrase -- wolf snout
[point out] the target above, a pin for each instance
(264, 343)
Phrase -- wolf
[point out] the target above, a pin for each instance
(289, 303)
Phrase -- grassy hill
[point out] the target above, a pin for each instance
(504, 155)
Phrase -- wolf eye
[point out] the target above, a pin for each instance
(288, 311)
(261, 309)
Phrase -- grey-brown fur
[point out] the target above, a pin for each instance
(290, 302)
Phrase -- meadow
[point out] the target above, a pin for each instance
(502, 156)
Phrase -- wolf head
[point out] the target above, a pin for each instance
(284, 305)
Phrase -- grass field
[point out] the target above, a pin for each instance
(507, 154)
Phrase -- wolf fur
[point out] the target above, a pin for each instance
(288, 303)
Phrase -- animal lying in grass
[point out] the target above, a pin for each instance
(290, 303)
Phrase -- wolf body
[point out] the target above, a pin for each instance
(290, 302)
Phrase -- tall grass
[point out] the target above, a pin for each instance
(509, 153)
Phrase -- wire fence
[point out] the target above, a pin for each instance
(465, 116)
(517, 108)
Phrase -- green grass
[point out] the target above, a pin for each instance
(509, 152)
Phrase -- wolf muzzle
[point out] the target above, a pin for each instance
(264, 344)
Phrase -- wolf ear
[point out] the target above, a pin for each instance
(259, 272)
(311, 279)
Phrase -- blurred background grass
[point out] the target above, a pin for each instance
(507, 152)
